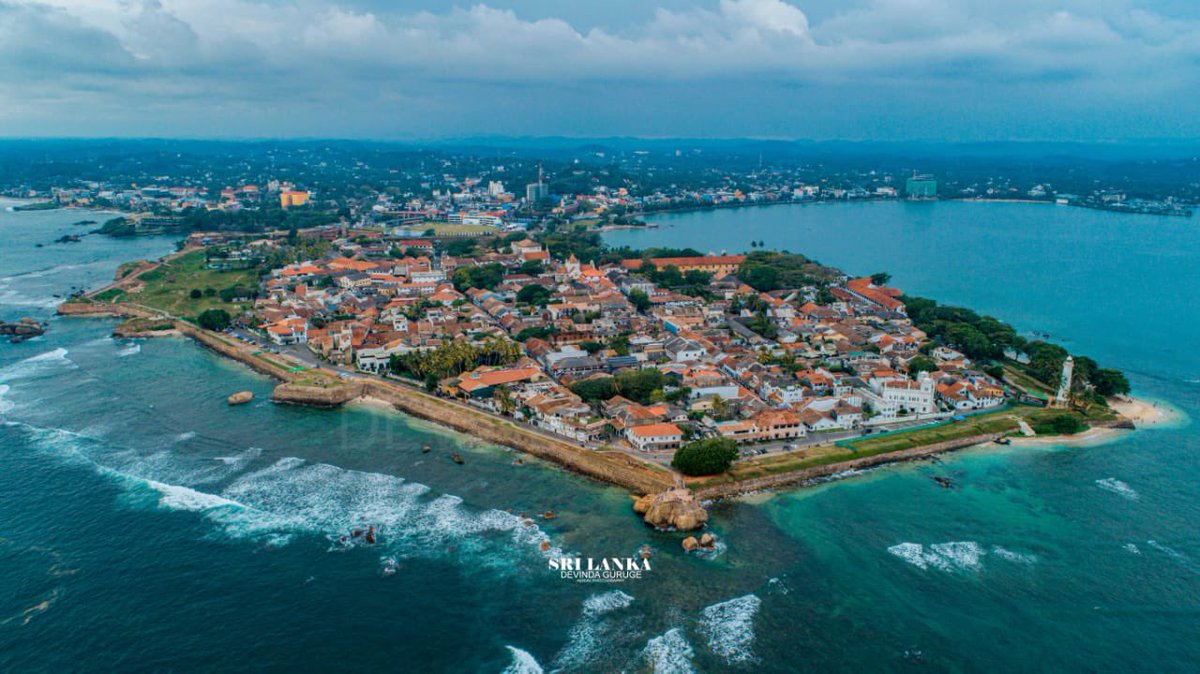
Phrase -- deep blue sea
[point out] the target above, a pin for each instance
(147, 526)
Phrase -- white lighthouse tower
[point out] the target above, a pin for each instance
(1064, 386)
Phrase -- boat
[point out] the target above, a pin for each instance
(457, 458)
(425, 449)
(1003, 441)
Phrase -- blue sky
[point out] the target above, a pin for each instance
(959, 70)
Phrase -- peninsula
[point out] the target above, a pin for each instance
(648, 369)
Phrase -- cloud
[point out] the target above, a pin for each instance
(320, 56)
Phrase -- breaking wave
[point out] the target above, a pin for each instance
(729, 628)
(952, 556)
(1012, 556)
(130, 350)
(1118, 487)
(522, 663)
(5, 405)
(669, 653)
(293, 496)
(1132, 549)
(593, 629)
(35, 365)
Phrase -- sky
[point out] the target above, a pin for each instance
(946, 70)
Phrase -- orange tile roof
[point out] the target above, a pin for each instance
(656, 430)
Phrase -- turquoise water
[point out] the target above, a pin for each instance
(145, 525)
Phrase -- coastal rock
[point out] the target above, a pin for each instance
(707, 540)
(642, 503)
(26, 328)
(240, 398)
(674, 509)
(690, 544)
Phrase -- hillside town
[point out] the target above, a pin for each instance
(641, 354)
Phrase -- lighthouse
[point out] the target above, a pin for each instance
(1064, 386)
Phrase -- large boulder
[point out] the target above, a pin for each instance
(673, 509)
(690, 544)
(240, 398)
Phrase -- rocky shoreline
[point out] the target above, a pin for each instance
(662, 503)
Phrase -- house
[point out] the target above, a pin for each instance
(291, 330)
(654, 437)
(482, 382)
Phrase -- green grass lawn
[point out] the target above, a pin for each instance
(450, 229)
(169, 287)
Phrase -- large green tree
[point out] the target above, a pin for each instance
(709, 456)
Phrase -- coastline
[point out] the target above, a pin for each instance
(323, 388)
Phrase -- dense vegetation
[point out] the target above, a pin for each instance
(705, 457)
(641, 386)
(454, 358)
(769, 270)
(486, 276)
(984, 338)
(214, 319)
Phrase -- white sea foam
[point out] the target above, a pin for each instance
(185, 436)
(522, 663)
(729, 628)
(1012, 556)
(1168, 551)
(176, 497)
(1132, 549)
(952, 556)
(6, 406)
(292, 497)
(779, 585)
(593, 629)
(130, 350)
(1117, 487)
(35, 364)
(669, 653)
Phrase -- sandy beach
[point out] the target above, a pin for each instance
(1145, 412)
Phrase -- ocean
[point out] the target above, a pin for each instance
(145, 525)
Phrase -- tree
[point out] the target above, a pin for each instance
(504, 400)
(591, 346)
(196, 294)
(532, 267)
(705, 457)
(534, 294)
(639, 299)
(1109, 382)
(214, 319)
(881, 278)
(921, 364)
(487, 276)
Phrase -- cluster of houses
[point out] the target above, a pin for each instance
(851, 362)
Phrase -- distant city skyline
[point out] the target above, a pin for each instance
(968, 70)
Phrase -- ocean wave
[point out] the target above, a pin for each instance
(522, 662)
(729, 628)
(6, 406)
(1012, 556)
(176, 497)
(35, 365)
(15, 298)
(132, 349)
(1132, 549)
(1118, 487)
(669, 653)
(593, 630)
(1168, 551)
(185, 436)
(952, 556)
(293, 496)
